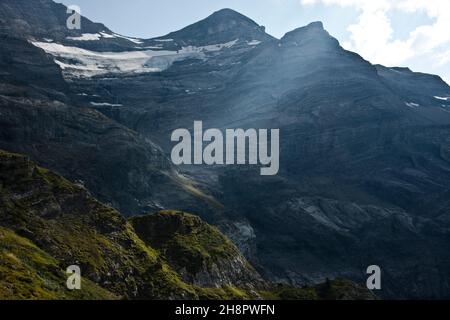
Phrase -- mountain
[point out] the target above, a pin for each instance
(41, 117)
(25, 18)
(364, 148)
(222, 26)
(48, 224)
(47, 21)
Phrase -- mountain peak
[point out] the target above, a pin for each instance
(220, 27)
(315, 25)
(227, 12)
(312, 32)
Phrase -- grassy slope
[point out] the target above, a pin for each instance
(27, 272)
(72, 227)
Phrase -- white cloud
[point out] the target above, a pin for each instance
(372, 35)
(442, 58)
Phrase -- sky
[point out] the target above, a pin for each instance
(406, 33)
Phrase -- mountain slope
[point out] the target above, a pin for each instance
(47, 21)
(75, 229)
(26, 272)
(48, 224)
(24, 18)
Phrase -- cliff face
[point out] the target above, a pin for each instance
(123, 168)
(46, 19)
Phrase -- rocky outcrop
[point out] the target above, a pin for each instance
(199, 252)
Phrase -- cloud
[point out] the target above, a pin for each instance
(373, 35)
(442, 58)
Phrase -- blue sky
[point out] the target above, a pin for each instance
(413, 33)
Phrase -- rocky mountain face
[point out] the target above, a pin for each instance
(47, 20)
(364, 174)
(40, 116)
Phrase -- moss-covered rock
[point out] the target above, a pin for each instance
(198, 251)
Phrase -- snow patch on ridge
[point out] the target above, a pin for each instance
(253, 42)
(210, 48)
(412, 104)
(134, 40)
(107, 35)
(106, 104)
(98, 36)
(86, 37)
(80, 62)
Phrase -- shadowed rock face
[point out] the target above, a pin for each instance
(40, 18)
(45, 19)
(364, 150)
(123, 168)
(22, 65)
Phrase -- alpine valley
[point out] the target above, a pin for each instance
(86, 118)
